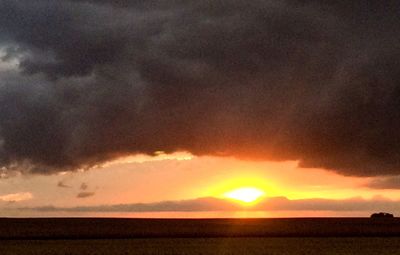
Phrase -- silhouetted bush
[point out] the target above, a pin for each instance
(382, 215)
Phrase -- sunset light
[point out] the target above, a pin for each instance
(199, 127)
(247, 195)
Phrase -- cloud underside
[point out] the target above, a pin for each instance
(215, 204)
(307, 80)
(391, 182)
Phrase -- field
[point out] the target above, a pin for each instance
(197, 246)
(218, 236)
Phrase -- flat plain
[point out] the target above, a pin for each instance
(197, 246)
(88, 236)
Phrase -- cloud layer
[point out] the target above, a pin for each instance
(215, 204)
(313, 81)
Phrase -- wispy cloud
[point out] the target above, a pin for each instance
(85, 194)
(83, 186)
(61, 184)
(16, 197)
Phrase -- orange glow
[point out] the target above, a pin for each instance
(246, 188)
(246, 195)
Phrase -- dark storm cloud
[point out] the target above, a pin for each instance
(307, 80)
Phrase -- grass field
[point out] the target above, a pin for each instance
(90, 236)
(103, 228)
(197, 246)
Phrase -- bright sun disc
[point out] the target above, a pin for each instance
(246, 195)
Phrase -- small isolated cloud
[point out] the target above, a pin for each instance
(84, 186)
(85, 194)
(61, 184)
(392, 182)
(16, 197)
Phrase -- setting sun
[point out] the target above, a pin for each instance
(246, 195)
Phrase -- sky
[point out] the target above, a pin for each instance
(163, 108)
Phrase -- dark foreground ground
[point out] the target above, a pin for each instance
(198, 246)
(209, 236)
(103, 228)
